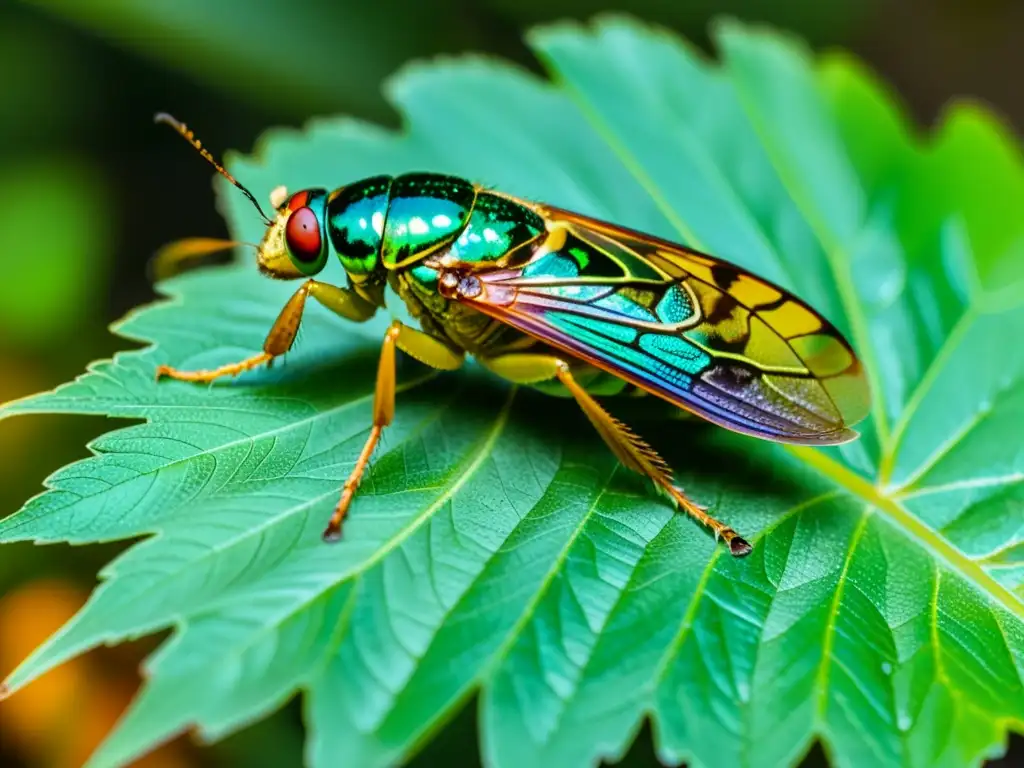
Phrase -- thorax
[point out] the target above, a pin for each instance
(461, 325)
(399, 229)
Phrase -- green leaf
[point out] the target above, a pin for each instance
(495, 546)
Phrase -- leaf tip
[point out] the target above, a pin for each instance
(734, 36)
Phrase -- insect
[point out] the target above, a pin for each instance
(555, 300)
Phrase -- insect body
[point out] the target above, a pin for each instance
(548, 298)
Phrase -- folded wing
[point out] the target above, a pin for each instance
(698, 331)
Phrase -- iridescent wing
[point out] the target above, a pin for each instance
(697, 331)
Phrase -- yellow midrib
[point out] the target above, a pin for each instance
(912, 525)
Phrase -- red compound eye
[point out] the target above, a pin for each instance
(303, 235)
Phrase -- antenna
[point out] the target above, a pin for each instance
(190, 137)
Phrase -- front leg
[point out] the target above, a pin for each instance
(341, 301)
(429, 351)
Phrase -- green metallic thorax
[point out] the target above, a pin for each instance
(383, 228)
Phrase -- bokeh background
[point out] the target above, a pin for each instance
(90, 188)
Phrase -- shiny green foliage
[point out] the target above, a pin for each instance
(495, 547)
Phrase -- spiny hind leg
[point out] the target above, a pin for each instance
(429, 351)
(627, 446)
(281, 337)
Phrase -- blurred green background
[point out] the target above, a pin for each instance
(90, 188)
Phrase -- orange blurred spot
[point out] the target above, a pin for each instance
(60, 719)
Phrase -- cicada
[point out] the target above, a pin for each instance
(551, 299)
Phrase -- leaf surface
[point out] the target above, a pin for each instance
(496, 548)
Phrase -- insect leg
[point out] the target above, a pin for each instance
(427, 350)
(627, 446)
(342, 301)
